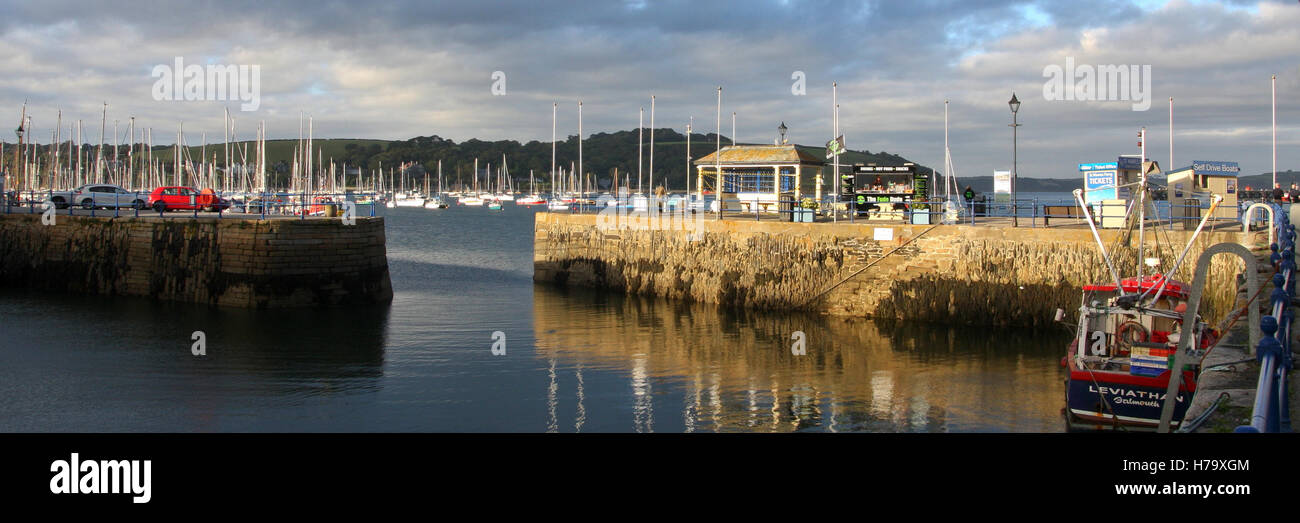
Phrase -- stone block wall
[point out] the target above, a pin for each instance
(229, 262)
(975, 275)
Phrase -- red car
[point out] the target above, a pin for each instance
(186, 198)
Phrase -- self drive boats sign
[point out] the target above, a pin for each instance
(1099, 181)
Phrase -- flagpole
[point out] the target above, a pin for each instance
(1275, 130)
(717, 158)
(1172, 165)
(835, 135)
(554, 108)
(640, 139)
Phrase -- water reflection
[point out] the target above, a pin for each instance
(68, 363)
(733, 370)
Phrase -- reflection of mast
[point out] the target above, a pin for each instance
(752, 395)
(776, 405)
(582, 409)
(551, 423)
(692, 409)
(643, 404)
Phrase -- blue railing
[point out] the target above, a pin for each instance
(1272, 410)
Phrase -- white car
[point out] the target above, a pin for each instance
(107, 196)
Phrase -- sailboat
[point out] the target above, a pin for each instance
(1128, 332)
(533, 198)
(437, 201)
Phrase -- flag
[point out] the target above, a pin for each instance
(835, 147)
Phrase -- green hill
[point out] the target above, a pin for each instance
(603, 155)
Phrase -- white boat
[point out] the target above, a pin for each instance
(410, 202)
(435, 203)
(531, 199)
(472, 201)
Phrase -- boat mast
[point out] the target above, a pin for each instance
(1142, 200)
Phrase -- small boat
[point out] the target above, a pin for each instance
(435, 203)
(531, 199)
(471, 201)
(494, 205)
(557, 204)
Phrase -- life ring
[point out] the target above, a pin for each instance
(1129, 333)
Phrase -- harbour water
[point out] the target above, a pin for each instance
(574, 359)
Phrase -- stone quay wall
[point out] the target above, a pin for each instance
(228, 262)
(974, 275)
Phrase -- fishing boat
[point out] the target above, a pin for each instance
(1120, 377)
(1128, 332)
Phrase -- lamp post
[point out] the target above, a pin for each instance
(17, 158)
(1014, 103)
(782, 129)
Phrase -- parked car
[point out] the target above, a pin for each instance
(181, 198)
(92, 196)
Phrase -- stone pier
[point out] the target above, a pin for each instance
(975, 275)
(228, 262)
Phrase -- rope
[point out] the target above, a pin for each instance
(1196, 423)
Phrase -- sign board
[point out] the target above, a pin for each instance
(1099, 181)
(1215, 168)
(882, 234)
(1128, 163)
(920, 191)
(1002, 186)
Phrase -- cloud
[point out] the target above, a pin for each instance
(402, 69)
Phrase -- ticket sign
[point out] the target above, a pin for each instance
(1099, 181)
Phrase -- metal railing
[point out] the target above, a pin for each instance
(1028, 212)
(1272, 409)
(238, 205)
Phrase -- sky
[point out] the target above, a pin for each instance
(491, 70)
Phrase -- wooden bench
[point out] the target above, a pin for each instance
(1060, 211)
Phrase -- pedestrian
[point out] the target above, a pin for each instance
(969, 194)
(1277, 192)
(1294, 193)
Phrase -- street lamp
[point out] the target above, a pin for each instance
(1015, 108)
(782, 129)
(17, 170)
